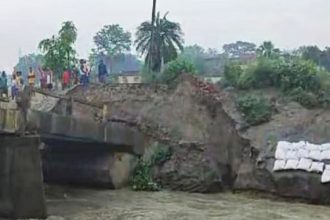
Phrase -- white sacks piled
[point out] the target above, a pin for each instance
(303, 156)
(291, 164)
(279, 165)
(317, 167)
(326, 175)
(304, 164)
(281, 150)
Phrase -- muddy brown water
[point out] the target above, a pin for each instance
(86, 204)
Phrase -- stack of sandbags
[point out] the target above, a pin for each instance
(326, 175)
(301, 156)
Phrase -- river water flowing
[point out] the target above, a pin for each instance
(86, 204)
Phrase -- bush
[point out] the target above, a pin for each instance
(142, 179)
(266, 73)
(324, 98)
(256, 109)
(306, 99)
(232, 73)
(299, 74)
(247, 79)
(175, 68)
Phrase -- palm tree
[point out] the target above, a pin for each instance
(267, 49)
(159, 42)
(153, 17)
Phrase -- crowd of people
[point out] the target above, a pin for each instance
(70, 77)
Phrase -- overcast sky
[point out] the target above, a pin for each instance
(210, 23)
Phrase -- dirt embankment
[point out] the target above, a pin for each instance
(212, 147)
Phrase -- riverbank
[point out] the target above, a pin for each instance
(65, 203)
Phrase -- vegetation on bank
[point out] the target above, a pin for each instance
(297, 78)
(256, 109)
(143, 177)
(302, 80)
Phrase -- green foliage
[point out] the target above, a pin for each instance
(207, 62)
(247, 79)
(59, 53)
(305, 82)
(196, 55)
(161, 155)
(256, 109)
(324, 98)
(306, 99)
(142, 179)
(299, 74)
(112, 40)
(315, 54)
(268, 50)
(159, 42)
(176, 68)
(232, 73)
(239, 49)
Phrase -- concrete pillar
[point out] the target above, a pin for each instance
(105, 113)
(21, 182)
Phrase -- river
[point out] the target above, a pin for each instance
(86, 204)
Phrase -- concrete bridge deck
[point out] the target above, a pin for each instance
(85, 149)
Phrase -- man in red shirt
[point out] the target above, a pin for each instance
(66, 79)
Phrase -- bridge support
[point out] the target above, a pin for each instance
(78, 164)
(21, 184)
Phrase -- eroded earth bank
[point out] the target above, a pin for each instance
(198, 141)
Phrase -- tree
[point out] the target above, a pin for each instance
(315, 54)
(153, 17)
(59, 53)
(196, 55)
(68, 36)
(112, 41)
(239, 49)
(159, 42)
(267, 49)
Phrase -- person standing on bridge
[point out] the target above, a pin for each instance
(66, 79)
(13, 86)
(43, 77)
(84, 74)
(31, 80)
(3, 84)
(103, 72)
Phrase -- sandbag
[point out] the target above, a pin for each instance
(298, 145)
(280, 153)
(325, 147)
(292, 154)
(304, 164)
(326, 175)
(283, 145)
(311, 147)
(317, 167)
(325, 155)
(279, 165)
(303, 153)
(291, 164)
(315, 155)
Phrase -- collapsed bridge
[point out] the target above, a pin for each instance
(72, 150)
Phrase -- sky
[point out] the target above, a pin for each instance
(209, 23)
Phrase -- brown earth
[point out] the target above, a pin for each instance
(213, 148)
